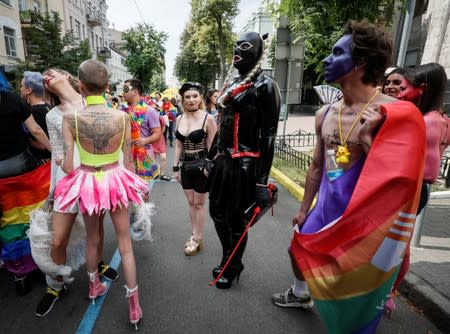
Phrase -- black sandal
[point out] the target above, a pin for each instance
(164, 177)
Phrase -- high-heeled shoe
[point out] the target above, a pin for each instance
(96, 288)
(193, 246)
(216, 271)
(227, 278)
(135, 310)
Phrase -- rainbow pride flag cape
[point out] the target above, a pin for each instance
(351, 264)
(18, 196)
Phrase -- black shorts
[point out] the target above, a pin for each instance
(194, 181)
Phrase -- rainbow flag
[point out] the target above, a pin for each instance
(18, 196)
(351, 264)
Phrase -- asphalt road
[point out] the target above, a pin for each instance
(174, 290)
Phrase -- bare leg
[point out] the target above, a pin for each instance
(62, 226)
(122, 228)
(190, 197)
(93, 239)
(199, 212)
(101, 233)
(162, 163)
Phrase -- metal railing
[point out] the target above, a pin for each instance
(295, 158)
(285, 149)
(299, 138)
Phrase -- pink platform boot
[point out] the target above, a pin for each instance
(135, 311)
(96, 288)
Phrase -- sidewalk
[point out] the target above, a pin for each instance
(427, 284)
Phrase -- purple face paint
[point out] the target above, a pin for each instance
(340, 61)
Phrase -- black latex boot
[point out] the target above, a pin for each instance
(227, 278)
(225, 237)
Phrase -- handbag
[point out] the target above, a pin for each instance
(194, 167)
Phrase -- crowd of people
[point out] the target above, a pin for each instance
(66, 142)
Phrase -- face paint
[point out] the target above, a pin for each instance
(409, 93)
(340, 61)
(392, 85)
(247, 51)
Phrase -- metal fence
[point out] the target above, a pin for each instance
(299, 138)
(285, 149)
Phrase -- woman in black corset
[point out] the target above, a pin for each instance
(195, 130)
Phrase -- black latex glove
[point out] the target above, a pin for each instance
(207, 167)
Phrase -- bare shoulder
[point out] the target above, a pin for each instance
(323, 111)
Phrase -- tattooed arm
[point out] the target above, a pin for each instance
(68, 124)
(126, 146)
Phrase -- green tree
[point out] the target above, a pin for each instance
(320, 24)
(157, 83)
(145, 48)
(216, 17)
(198, 59)
(46, 47)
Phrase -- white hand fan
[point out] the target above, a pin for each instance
(328, 94)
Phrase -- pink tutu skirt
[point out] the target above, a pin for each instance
(99, 191)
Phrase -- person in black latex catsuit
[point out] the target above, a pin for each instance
(249, 106)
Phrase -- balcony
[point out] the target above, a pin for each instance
(28, 17)
(103, 52)
(93, 20)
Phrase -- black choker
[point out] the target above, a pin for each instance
(193, 110)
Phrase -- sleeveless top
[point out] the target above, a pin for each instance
(97, 160)
(196, 140)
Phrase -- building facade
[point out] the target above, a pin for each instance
(429, 38)
(85, 18)
(11, 46)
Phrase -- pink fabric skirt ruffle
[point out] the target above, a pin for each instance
(96, 192)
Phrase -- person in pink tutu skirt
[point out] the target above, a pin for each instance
(100, 183)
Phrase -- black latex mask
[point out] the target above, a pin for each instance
(247, 51)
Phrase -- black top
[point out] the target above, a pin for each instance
(195, 140)
(256, 129)
(39, 111)
(13, 112)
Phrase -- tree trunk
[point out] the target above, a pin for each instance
(223, 70)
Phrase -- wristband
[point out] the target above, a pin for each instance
(176, 168)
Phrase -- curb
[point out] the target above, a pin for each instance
(295, 190)
(434, 305)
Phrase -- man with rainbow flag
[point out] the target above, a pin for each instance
(367, 170)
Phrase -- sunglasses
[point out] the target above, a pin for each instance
(126, 88)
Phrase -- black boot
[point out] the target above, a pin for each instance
(227, 278)
(23, 285)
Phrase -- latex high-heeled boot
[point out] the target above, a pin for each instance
(227, 278)
(216, 271)
(135, 311)
(96, 288)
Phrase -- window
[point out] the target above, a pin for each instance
(22, 5)
(77, 29)
(92, 40)
(6, 2)
(71, 23)
(84, 33)
(10, 41)
(37, 6)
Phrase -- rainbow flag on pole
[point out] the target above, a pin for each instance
(18, 196)
(351, 264)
